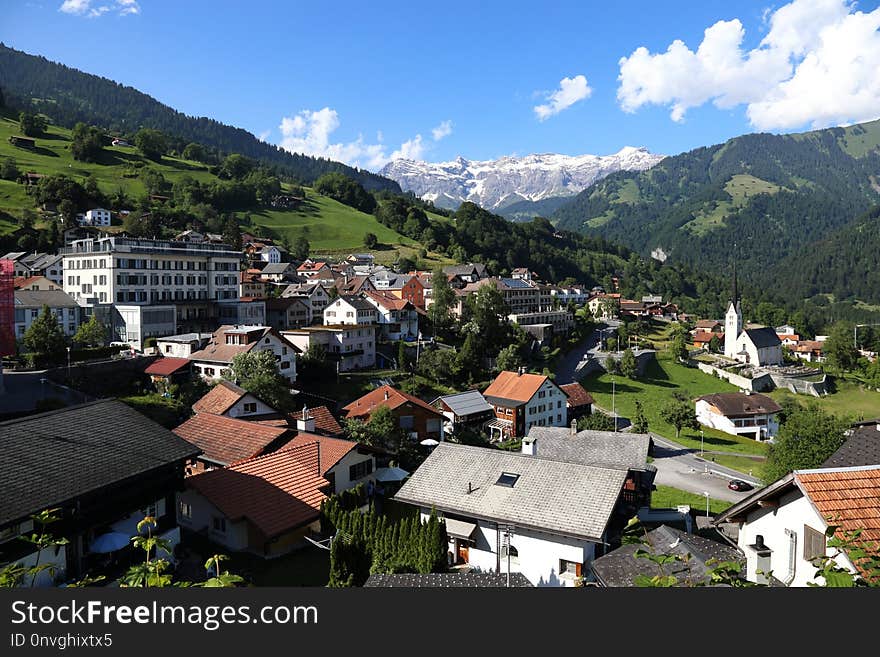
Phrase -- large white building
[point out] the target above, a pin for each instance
(96, 217)
(142, 272)
(350, 310)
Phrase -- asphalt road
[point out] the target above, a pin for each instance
(25, 389)
(683, 468)
(568, 371)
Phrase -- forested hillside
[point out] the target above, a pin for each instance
(69, 96)
(773, 195)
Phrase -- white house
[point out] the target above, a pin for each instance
(270, 254)
(314, 293)
(28, 304)
(182, 345)
(782, 528)
(96, 217)
(522, 401)
(230, 400)
(237, 506)
(543, 518)
(354, 347)
(397, 318)
(350, 310)
(746, 414)
(344, 463)
(229, 341)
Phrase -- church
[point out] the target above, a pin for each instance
(754, 346)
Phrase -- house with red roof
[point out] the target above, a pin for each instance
(522, 400)
(225, 440)
(397, 318)
(344, 463)
(415, 416)
(579, 402)
(265, 505)
(315, 270)
(783, 527)
(166, 371)
(228, 341)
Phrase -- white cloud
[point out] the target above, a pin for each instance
(817, 65)
(570, 91)
(442, 130)
(263, 136)
(87, 9)
(310, 131)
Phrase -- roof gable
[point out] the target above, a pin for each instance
(515, 386)
(227, 440)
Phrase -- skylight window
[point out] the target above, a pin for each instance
(507, 479)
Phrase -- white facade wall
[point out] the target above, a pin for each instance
(732, 329)
(129, 274)
(783, 532)
(202, 514)
(270, 255)
(764, 356)
(68, 319)
(342, 312)
(137, 323)
(242, 408)
(175, 349)
(739, 426)
(342, 471)
(547, 410)
(405, 323)
(341, 343)
(98, 217)
(539, 554)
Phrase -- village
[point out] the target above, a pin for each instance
(269, 390)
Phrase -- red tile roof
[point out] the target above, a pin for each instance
(384, 396)
(577, 395)
(387, 300)
(220, 398)
(333, 450)
(227, 440)
(515, 386)
(314, 266)
(324, 420)
(702, 337)
(167, 366)
(20, 282)
(276, 493)
(848, 498)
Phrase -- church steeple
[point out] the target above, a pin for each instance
(734, 297)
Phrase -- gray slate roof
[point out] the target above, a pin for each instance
(561, 498)
(40, 298)
(447, 580)
(50, 458)
(359, 303)
(620, 567)
(275, 268)
(467, 403)
(607, 449)
(861, 448)
(763, 337)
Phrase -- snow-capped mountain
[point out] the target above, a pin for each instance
(495, 184)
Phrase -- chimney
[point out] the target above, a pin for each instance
(574, 427)
(386, 395)
(530, 446)
(305, 422)
(470, 488)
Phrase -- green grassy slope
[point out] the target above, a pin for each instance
(327, 224)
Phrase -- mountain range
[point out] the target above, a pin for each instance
(512, 182)
(760, 198)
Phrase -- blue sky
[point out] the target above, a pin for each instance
(368, 81)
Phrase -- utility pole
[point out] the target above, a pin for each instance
(613, 406)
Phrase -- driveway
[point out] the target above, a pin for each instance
(571, 366)
(25, 389)
(683, 468)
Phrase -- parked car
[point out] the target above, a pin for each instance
(739, 485)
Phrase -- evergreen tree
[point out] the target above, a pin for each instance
(639, 421)
(628, 366)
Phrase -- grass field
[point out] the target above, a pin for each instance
(663, 378)
(667, 497)
(850, 400)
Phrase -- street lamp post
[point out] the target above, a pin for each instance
(707, 502)
(613, 405)
(68, 365)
